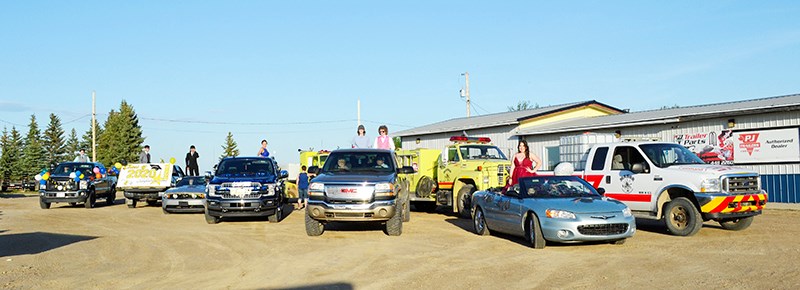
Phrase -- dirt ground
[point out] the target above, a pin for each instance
(112, 247)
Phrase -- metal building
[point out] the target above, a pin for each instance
(724, 133)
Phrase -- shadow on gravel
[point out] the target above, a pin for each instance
(466, 224)
(330, 286)
(354, 226)
(287, 209)
(12, 195)
(37, 242)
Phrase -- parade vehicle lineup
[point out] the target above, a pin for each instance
(553, 208)
(245, 187)
(77, 182)
(188, 195)
(358, 185)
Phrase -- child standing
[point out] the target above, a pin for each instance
(302, 188)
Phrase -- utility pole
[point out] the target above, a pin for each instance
(94, 127)
(359, 112)
(466, 93)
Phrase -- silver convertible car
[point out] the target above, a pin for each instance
(553, 208)
(188, 195)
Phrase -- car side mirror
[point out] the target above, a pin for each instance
(313, 170)
(209, 175)
(284, 174)
(601, 191)
(406, 170)
(639, 168)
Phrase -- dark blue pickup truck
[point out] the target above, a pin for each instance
(358, 185)
(245, 186)
(63, 186)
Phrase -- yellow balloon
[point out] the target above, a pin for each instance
(46, 176)
(172, 160)
(118, 165)
(81, 176)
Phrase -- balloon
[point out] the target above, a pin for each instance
(44, 171)
(77, 179)
(96, 170)
(82, 176)
(46, 176)
(38, 177)
(102, 171)
(42, 182)
(72, 175)
(118, 165)
(172, 160)
(98, 176)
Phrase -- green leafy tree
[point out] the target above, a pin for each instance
(122, 136)
(72, 146)
(230, 147)
(398, 142)
(523, 105)
(53, 142)
(86, 139)
(33, 154)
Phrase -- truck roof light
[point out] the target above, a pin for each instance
(470, 139)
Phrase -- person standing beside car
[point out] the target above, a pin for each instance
(525, 163)
(191, 162)
(144, 157)
(383, 141)
(302, 188)
(360, 140)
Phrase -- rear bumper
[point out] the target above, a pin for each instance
(375, 211)
(63, 196)
(220, 207)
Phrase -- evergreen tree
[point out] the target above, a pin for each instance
(229, 149)
(33, 154)
(53, 142)
(14, 150)
(122, 137)
(5, 156)
(86, 139)
(72, 146)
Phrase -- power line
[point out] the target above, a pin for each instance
(12, 123)
(246, 123)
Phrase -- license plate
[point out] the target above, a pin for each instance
(240, 191)
(61, 194)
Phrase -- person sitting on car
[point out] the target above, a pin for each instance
(379, 164)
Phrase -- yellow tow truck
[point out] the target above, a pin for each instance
(448, 178)
(308, 158)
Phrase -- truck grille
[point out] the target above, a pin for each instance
(738, 185)
(603, 229)
(245, 196)
(502, 172)
(349, 192)
(65, 185)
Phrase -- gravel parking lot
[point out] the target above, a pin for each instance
(115, 247)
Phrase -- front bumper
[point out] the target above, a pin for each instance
(375, 211)
(143, 195)
(223, 207)
(720, 205)
(593, 229)
(63, 196)
(183, 205)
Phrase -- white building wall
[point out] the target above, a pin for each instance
(501, 137)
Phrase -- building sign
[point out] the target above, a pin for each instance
(766, 146)
(712, 147)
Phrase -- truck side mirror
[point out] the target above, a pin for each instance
(639, 168)
(283, 174)
(209, 176)
(406, 170)
(313, 170)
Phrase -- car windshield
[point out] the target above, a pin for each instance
(473, 152)
(194, 180)
(67, 168)
(666, 154)
(556, 186)
(245, 167)
(359, 161)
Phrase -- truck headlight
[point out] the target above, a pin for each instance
(316, 188)
(626, 212)
(83, 184)
(270, 190)
(710, 185)
(211, 190)
(560, 214)
(384, 189)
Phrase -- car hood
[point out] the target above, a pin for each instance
(233, 178)
(709, 169)
(187, 188)
(581, 204)
(353, 178)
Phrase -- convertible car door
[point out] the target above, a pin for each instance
(491, 211)
(510, 214)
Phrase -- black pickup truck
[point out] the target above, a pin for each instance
(358, 185)
(61, 187)
(245, 186)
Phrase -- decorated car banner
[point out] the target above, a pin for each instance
(145, 175)
(765, 146)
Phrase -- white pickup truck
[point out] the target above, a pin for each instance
(665, 181)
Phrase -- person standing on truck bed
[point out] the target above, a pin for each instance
(191, 162)
(383, 141)
(82, 156)
(360, 140)
(525, 164)
(263, 152)
(144, 157)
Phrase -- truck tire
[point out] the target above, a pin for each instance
(479, 221)
(90, 200)
(533, 232)
(130, 202)
(212, 219)
(736, 224)
(277, 216)
(111, 197)
(406, 211)
(44, 205)
(681, 217)
(313, 227)
(394, 226)
(464, 200)
(424, 187)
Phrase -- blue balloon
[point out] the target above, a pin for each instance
(77, 179)
(42, 182)
(102, 170)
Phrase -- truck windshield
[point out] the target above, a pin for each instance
(194, 180)
(355, 161)
(475, 152)
(556, 186)
(667, 154)
(67, 168)
(245, 166)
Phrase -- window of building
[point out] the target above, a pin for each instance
(553, 157)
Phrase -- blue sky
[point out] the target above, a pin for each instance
(292, 72)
